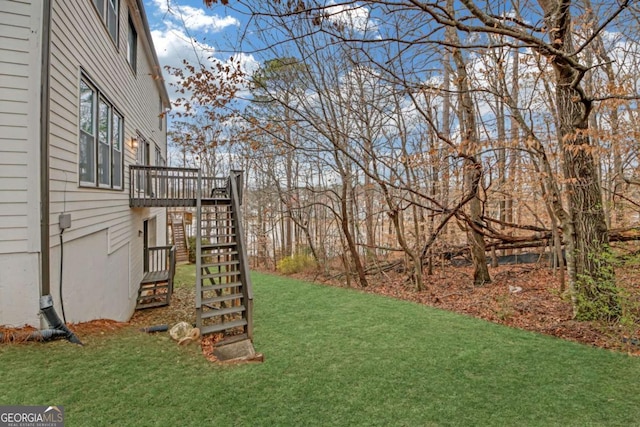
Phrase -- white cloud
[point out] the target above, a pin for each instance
(179, 32)
(173, 46)
(355, 17)
(193, 18)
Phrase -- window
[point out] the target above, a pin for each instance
(159, 161)
(132, 45)
(142, 158)
(108, 10)
(162, 112)
(117, 136)
(100, 154)
(87, 134)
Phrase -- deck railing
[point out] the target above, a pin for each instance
(165, 186)
(160, 258)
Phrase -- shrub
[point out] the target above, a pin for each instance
(192, 249)
(295, 264)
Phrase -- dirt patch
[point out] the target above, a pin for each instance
(182, 309)
(96, 327)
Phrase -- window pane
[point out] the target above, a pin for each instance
(117, 170)
(100, 6)
(116, 140)
(103, 122)
(112, 18)
(104, 140)
(140, 156)
(116, 146)
(132, 43)
(86, 158)
(86, 108)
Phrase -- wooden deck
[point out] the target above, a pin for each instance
(161, 186)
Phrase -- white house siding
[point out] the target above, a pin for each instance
(93, 286)
(102, 249)
(20, 40)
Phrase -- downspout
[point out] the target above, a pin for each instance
(46, 302)
(44, 149)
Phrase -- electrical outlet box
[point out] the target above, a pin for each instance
(65, 221)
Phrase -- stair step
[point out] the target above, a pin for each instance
(217, 245)
(223, 263)
(219, 233)
(154, 297)
(151, 287)
(213, 260)
(220, 286)
(222, 298)
(222, 326)
(140, 305)
(232, 339)
(220, 275)
(221, 312)
(220, 253)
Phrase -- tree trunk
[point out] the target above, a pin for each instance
(472, 168)
(585, 231)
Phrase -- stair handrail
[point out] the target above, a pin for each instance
(199, 244)
(245, 278)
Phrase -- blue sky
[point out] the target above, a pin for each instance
(186, 29)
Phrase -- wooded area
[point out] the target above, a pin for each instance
(403, 132)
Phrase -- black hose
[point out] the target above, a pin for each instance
(64, 319)
(155, 328)
(46, 307)
(42, 335)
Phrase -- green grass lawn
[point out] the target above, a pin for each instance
(332, 357)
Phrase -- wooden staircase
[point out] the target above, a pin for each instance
(223, 286)
(156, 286)
(179, 239)
(224, 296)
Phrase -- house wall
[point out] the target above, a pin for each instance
(102, 271)
(20, 53)
(102, 262)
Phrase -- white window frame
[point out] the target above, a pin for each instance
(100, 149)
(109, 11)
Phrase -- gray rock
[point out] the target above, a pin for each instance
(236, 350)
